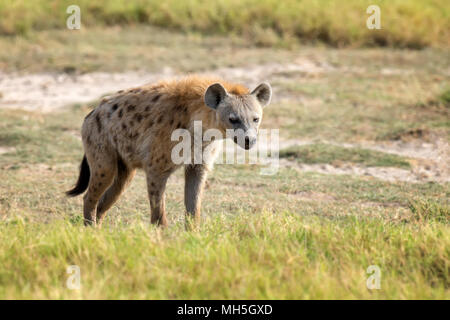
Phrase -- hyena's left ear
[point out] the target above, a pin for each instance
(263, 93)
(214, 95)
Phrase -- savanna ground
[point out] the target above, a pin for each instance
(363, 179)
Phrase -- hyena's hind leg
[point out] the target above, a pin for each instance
(122, 179)
(103, 169)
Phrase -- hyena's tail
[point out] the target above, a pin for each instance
(83, 180)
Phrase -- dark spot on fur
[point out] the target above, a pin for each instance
(129, 149)
(99, 123)
(171, 121)
(159, 119)
(178, 108)
(131, 108)
(120, 91)
(138, 117)
(102, 175)
(124, 126)
(114, 107)
(100, 184)
(147, 108)
(150, 123)
(152, 184)
(156, 98)
(120, 113)
(131, 123)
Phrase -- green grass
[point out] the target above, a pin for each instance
(430, 211)
(445, 97)
(326, 153)
(129, 48)
(258, 256)
(404, 24)
(38, 138)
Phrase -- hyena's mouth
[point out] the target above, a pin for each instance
(248, 143)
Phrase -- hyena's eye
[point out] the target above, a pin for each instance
(234, 120)
(255, 120)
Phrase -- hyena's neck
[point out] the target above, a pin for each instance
(206, 117)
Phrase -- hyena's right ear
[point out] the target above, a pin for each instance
(214, 95)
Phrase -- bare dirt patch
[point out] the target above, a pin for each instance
(4, 150)
(46, 92)
(430, 161)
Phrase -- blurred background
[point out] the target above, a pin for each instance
(364, 120)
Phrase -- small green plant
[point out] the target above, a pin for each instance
(445, 97)
(429, 210)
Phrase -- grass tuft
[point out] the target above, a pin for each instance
(430, 210)
(445, 97)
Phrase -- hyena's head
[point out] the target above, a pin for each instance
(240, 113)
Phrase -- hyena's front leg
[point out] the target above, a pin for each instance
(156, 186)
(195, 177)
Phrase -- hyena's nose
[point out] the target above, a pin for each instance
(249, 142)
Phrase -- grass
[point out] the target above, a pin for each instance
(326, 153)
(258, 256)
(413, 24)
(129, 48)
(445, 97)
(36, 138)
(430, 211)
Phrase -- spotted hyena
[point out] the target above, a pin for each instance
(132, 129)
